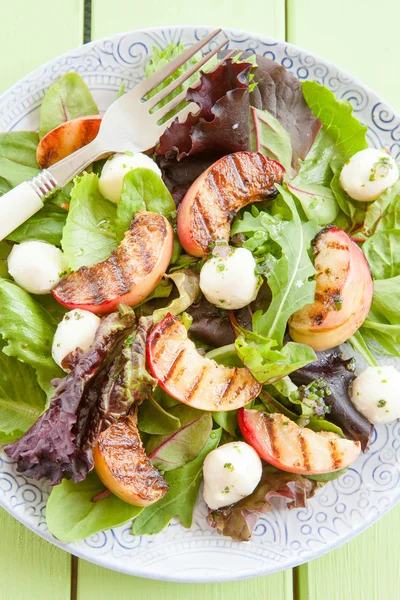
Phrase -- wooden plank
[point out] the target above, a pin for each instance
(100, 584)
(359, 36)
(367, 568)
(35, 32)
(266, 17)
(31, 568)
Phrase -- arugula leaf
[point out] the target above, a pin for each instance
(183, 413)
(382, 252)
(348, 134)
(227, 419)
(267, 364)
(184, 484)
(358, 344)
(269, 137)
(315, 168)
(46, 225)
(142, 189)
(21, 398)
(154, 419)
(89, 234)
(187, 283)
(66, 99)
(28, 331)
(289, 277)
(71, 514)
(184, 445)
(318, 202)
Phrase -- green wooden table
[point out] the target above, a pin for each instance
(361, 36)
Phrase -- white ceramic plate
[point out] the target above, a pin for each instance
(283, 538)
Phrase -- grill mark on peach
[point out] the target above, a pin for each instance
(116, 275)
(164, 331)
(226, 388)
(304, 451)
(270, 427)
(336, 245)
(189, 395)
(174, 365)
(215, 184)
(335, 455)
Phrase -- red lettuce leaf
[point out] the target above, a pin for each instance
(49, 448)
(239, 520)
(338, 374)
(222, 124)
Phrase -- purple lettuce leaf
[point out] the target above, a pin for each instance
(338, 374)
(239, 520)
(222, 125)
(49, 449)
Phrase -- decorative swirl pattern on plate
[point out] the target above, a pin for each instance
(282, 538)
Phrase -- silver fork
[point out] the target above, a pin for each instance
(127, 125)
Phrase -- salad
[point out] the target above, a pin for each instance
(179, 315)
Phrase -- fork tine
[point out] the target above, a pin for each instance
(173, 103)
(151, 102)
(156, 78)
(181, 116)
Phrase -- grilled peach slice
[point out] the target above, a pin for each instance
(66, 139)
(129, 275)
(206, 211)
(343, 294)
(191, 378)
(122, 465)
(282, 443)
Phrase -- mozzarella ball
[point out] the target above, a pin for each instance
(368, 173)
(375, 394)
(76, 330)
(230, 282)
(231, 472)
(36, 266)
(115, 169)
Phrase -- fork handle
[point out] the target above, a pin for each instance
(25, 200)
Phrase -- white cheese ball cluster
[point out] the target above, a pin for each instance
(37, 267)
(368, 174)
(76, 330)
(231, 472)
(376, 394)
(115, 169)
(230, 282)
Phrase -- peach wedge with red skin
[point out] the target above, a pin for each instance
(184, 374)
(282, 443)
(66, 139)
(122, 465)
(343, 293)
(129, 275)
(228, 185)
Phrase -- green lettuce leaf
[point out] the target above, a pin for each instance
(187, 283)
(384, 213)
(21, 398)
(179, 501)
(317, 202)
(5, 249)
(384, 316)
(28, 330)
(46, 225)
(72, 515)
(269, 137)
(142, 189)
(266, 363)
(184, 445)
(89, 234)
(181, 412)
(155, 420)
(289, 276)
(66, 99)
(348, 134)
(382, 251)
(315, 168)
